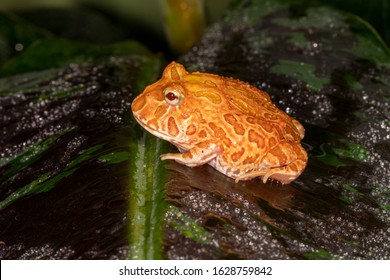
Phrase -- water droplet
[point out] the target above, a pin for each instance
(19, 47)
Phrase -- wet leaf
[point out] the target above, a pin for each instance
(80, 179)
(67, 188)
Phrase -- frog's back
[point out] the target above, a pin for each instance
(234, 94)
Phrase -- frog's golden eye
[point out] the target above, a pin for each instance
(172, 97)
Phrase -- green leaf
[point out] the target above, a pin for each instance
(147, 207)
(188, 227)
(301, 71)
(351, 150)
(46, 182)
(67, 126)
(320, 254)
(81, 179)
(54, 53)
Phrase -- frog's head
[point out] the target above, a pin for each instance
(166, 108)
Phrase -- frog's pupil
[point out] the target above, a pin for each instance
(171, 96)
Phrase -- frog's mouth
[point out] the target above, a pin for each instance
(162, 135)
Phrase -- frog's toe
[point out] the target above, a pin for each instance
(286, 174)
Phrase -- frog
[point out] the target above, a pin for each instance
(224, 122)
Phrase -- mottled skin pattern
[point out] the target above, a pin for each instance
(226, 123)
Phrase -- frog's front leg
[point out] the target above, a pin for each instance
(200, 154)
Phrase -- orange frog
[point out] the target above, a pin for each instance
(226, 123)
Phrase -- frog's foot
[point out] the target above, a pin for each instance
(285, 163)
(200, 154)
(285, 174)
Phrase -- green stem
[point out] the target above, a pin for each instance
(147, 205)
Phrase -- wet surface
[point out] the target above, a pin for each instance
(71, 156)
(70, 135)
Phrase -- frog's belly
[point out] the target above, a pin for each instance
(231, 170)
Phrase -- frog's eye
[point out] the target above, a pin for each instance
(172, 97)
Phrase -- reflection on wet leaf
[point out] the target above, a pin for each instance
(268, 220)
(80, 179)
